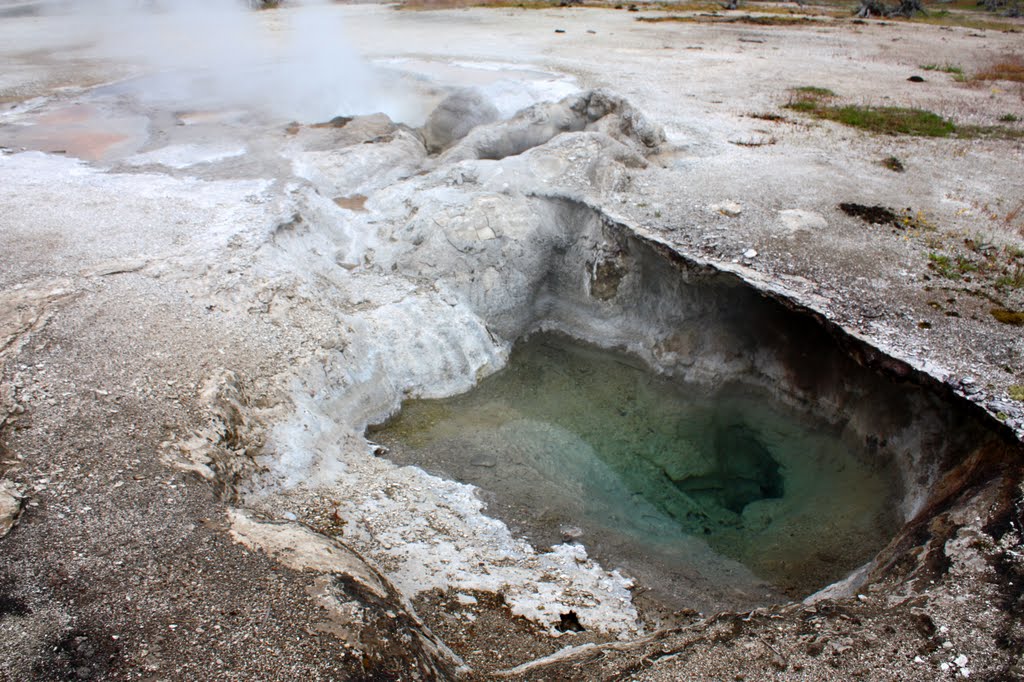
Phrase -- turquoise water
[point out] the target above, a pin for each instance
(712, 499)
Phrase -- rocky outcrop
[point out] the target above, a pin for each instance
(221, 452)
(362, 608)
(594, 111)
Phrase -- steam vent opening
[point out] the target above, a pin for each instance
(725, 449)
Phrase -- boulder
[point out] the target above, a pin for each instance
(455, 116)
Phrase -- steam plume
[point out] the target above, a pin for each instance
(292, 63)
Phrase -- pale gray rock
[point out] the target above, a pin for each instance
(596, 111)
(11, 499)
(795, 220)
(455, 116)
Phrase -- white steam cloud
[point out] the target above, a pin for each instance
(292, 62)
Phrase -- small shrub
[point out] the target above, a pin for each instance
(893, 164)
(1008, 118)
(1016, 392)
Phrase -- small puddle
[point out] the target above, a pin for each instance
(722, 499)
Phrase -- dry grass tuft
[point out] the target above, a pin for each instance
(1010, 68)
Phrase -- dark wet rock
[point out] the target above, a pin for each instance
(876, 215)
(336, 122)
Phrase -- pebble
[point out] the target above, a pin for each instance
(730, 209)
(750, 253)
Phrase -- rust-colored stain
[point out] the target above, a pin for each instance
(80, 131)
(68, 115)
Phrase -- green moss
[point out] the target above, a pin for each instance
(1016, 392)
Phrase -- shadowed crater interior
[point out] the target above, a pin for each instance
(736, 450)
(719, 496)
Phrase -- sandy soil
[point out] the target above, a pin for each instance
(133, 271)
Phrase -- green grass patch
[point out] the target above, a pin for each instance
(884, 120)
(943, 68)
(814, 91)
(1009, 118)
(891, 120)
(818, 102)
(1016, 392)
(804, 106)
